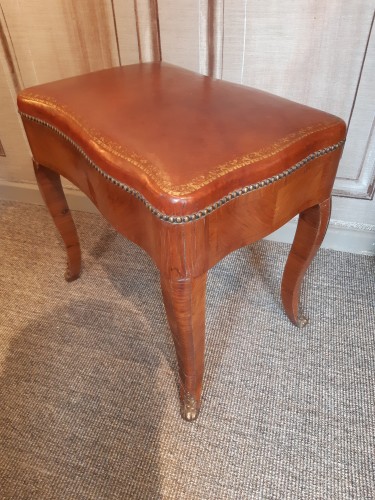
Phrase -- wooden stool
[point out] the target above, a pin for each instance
(189, 168)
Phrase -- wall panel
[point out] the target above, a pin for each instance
(62, 38)
(15, 163)
(126, 29)
(309, 51)
(180, 32)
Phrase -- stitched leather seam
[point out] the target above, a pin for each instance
(176, 219)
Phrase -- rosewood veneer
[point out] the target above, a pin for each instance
(190, 169)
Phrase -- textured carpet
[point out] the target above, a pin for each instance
(88, 399)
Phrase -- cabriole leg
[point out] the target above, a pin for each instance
(311, 229)
(50, 187)
(184, 301)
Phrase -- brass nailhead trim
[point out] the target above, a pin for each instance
(175, 219)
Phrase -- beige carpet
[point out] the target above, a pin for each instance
(88, 399)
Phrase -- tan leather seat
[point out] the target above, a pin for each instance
(180, 139)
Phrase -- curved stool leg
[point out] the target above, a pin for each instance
(50, 187)
(311, 229)
(184, 301)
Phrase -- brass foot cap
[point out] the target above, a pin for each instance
(69, 277)
(189, 408)
(302, 321)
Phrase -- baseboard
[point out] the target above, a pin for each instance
(27, 192)
(341, 235)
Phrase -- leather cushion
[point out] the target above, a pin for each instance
(170, 132)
